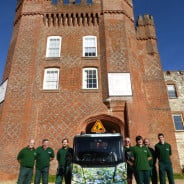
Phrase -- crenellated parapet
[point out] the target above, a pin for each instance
(145, 28)
(71, 19)
(145, 31)
(65, 13)
(61, 12)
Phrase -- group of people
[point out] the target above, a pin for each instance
(141, 161)
(43, 155)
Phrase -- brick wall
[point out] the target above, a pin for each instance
(31, 112)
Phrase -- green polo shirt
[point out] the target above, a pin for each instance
(64, 156)
(140, 155)
(163, 152)
(43, 157)
(61, 156)
(26, 157)
(152, 162)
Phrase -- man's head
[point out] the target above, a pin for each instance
(139, 140)
(65, 142)
(31, 143)
(161, 138)
(127, 142)
(146, 142)
(45, 143)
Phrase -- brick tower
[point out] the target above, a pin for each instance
(73, 63)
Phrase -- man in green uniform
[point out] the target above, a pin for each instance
(163, 153)
(128, 156)
(141, 157)
(44, 154)
(153, 171)
(64, 157)
(26, 158)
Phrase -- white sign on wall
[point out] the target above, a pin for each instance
(3, 90)
(119, 84)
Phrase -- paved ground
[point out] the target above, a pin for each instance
(14, 182)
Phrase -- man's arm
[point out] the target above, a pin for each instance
(170, 150)
(52, 155)
(58, 156)
(149, 154)
(19, 156)
(156, 152)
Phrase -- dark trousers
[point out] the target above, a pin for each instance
(25, 175)
(143, 177)
(166, 168)
(153, 174)
(65, 173)
(130, 173)
(42, 173)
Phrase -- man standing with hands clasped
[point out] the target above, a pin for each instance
(64, 157)
(141, 156)
(153, 171)
(44, 154)
(163, 153)
(128, 157)
(26, 158)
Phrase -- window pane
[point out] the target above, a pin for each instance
(53, 48)
(171, 91)
(90, 78)
(178, 121)
(90, 46)
(94, 85)
(51, 78)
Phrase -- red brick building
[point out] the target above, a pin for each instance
(73, 63)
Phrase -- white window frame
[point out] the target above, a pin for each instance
(173, 91)
(49, 38)
(48, 80)
(3, 88)
(85, 45)
(181, 121)
(85, 78)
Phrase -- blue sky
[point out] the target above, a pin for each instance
(168, 16)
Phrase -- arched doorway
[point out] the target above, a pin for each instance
(110, 123)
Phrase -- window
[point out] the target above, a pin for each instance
(51, 79)
(90, 78)
(171, 91)
(89, 46)
(178, 121)
(53, 46)
(3, 87)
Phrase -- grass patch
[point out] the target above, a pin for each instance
(52, 178)
(178, 176)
